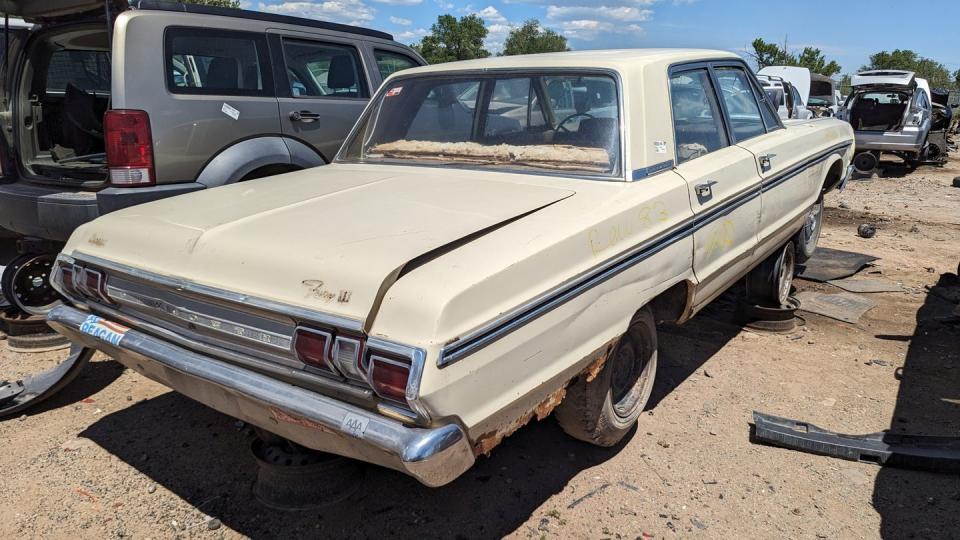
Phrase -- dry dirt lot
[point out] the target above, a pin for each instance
(116, 455)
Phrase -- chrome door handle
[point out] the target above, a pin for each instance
(304, 116)
(704, 191)
(766, 162)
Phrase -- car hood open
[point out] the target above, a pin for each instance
(331, 239)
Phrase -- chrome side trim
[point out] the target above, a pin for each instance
(646, 172)
(493, 330)
(180, 284)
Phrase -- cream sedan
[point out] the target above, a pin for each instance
(495, 241)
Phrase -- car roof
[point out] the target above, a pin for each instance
(622, 60)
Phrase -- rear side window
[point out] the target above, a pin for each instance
(217, 62)
(697, 127)
(742, 110)
(324, 70)
(389, 63)
(87, 70)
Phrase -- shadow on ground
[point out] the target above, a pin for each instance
(918, 504)
(200, 455)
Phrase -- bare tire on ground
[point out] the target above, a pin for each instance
(769, 283)
(603, 410)
(808, 237)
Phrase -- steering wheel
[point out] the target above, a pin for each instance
(561, 127)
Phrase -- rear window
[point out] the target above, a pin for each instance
(217, 62)
(87, 70)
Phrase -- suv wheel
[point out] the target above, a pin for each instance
(603, 410)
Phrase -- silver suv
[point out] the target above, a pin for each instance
(168, 99)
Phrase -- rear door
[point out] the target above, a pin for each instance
(323, 85)
(776, 152)
(722, 180)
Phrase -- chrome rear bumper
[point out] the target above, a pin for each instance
(434, 456)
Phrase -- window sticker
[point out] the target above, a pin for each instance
(395, 91)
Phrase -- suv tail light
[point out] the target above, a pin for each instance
(129, 146)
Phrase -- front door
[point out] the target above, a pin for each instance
(722, 179)
(322, 89)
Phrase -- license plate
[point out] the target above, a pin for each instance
(104, 330)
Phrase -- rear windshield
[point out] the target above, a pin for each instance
(87, 70)
(548, 122)
(884, 98)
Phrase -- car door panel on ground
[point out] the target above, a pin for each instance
(323, 87)
(722, 180)
(778, 159)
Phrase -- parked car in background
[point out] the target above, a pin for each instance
(890, 111)
(825, 98)
(496, 239)
(163, 100)
(794, 84)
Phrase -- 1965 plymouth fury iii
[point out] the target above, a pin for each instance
(495, 241)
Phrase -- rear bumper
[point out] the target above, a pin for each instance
(434, 456)
(53, 213)
(908, 140)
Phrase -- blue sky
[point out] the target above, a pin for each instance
(719, 24)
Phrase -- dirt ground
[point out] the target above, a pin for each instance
(116, 455)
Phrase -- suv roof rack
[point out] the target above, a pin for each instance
(167, 5)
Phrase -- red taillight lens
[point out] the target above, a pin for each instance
(312, 347)
(389, 377)
(129, 147)
(67, 280)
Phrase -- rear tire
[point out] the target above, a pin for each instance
(808, 237)
(604, 410)
(769, 283)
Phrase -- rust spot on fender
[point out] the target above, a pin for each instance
(488, 441)
(596, 366)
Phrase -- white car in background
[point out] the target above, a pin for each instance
(789, 88)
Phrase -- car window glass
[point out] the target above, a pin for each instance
(742, 109)
(201, 61)
(87, 70)
(323, 70)
(445, 113)
(389, 63)
(769, 106)
(796, 96)
(697, 127)
(513, 108)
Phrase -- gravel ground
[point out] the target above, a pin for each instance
(116, 455)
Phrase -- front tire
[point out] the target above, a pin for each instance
(808, 237)
(604, 410)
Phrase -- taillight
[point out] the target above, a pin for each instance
(389, 377)
(78, 282)
(312, 348)
(129, 147)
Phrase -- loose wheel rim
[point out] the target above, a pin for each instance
(786, 275)
(27, 284)
(811, 227)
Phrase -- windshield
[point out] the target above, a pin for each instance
(549, 122)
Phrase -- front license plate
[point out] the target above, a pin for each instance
(104, 330)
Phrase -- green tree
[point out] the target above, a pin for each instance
(235, 4)
(936, 73)
(956, 79)
(450, 40)
(531, 38)
(771, 54)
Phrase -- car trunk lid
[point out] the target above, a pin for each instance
(331, 240)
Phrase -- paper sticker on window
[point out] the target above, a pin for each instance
(660, 147)
(395, 91)
(230, 111)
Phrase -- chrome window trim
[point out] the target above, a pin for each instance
(240, 300)
(625, 171)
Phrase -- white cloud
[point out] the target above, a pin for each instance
(615, 13)
(410, 35)
(496, 36)
(491, 16)
(399, 2)
(589, 29)
(400, 20)
(343, 11)
(443, 4)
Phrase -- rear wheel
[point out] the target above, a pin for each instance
(808, 237)
(769, 283)
(603, 410)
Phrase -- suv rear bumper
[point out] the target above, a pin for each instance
(434, 456)
(53, 212)
(908, 140)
